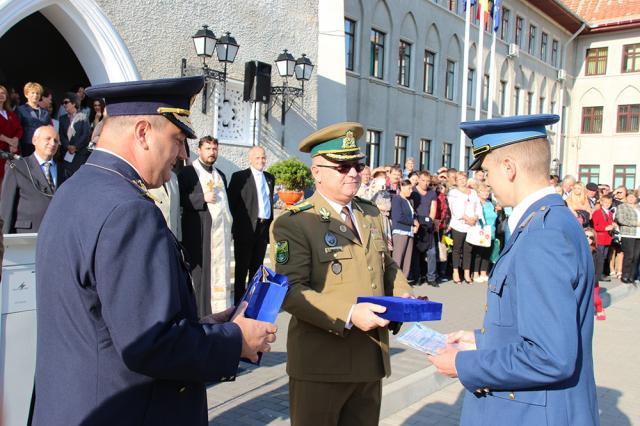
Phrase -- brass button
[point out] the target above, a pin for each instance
(374, 286)
(512, 396)
(482, 330)
(369, 268)
(182, 389)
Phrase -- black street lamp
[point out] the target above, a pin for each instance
(205, 43)
(288, 66)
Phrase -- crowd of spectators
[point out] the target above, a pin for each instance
(74, 122)
(430, 219)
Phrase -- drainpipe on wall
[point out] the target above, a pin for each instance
(558, 153)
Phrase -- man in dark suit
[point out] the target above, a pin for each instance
(119, 341)
(29, 184)
(206, 228)
(251, 204)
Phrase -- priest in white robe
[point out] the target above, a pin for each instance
(206, 229)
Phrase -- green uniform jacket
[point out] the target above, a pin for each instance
(325, 279)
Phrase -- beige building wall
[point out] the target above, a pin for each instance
(609, 148)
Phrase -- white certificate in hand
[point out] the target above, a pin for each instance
(68, 157)
(424, 339)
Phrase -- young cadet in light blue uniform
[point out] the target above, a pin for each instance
(531, 362)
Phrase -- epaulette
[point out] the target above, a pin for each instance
(300, 207)
(364, 200)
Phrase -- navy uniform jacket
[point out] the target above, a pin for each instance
(534, 352)
(119, 341)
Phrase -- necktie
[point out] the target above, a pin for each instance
(349, 222)
(266, 202)
(47, 173)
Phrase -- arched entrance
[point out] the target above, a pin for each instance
(87, 33)
(55, 67)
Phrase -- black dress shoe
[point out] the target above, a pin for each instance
(626, 280)
(433, 284)
(605, 278)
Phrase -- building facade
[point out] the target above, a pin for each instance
(398, 67)
(404, 65)
(603, 137)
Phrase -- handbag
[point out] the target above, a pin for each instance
(445, 243)
(479, 235)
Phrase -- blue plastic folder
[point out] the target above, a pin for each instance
(400, 309)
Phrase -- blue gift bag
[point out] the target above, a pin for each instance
(265, 295)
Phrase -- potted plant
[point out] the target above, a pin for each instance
(294, 177)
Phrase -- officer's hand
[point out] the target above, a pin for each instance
(219, 317)
(364, 316)
(209, 197)
(256, 335)
(464, 339)
(445, 361)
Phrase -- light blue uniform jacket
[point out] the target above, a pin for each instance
(533, 364)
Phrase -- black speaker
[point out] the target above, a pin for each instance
(257, 82)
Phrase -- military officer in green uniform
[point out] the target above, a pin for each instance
(333, 249)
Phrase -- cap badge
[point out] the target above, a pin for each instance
(348, 141)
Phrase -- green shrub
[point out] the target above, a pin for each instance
(292, 173)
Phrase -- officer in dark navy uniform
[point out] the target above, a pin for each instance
(119, 341)
(531, 363)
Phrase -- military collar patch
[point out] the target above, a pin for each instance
(325, 214)
(282, 252)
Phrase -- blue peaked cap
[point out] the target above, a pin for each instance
(169, 97)
(487, 135)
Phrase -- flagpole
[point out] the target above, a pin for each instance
(492, 74)
(480, 61)
(465, 73)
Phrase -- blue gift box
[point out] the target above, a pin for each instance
(265, 295)
(400, 309)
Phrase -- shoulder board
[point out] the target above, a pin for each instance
(300, 207)
(364, 201)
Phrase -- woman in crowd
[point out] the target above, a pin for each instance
(413, 178)
(365, 190)
(590, 233)
(441, 223)
(465, 212)
(31, 116)
(628, 217)
(382, 199)
(616, 256)
(97, 113)
(403, 226)
(483, 254)
(10, 129)
(74, 133)
(604, 227)
(578, 202)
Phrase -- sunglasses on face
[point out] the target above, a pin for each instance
(343, 169)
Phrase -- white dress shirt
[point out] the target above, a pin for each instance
(259, 179)
(523, 205)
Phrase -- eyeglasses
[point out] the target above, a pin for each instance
(343, 169)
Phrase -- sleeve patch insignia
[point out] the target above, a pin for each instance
(282, 252)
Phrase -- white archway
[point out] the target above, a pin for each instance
(100, 49)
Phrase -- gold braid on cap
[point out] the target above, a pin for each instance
(179, 111)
